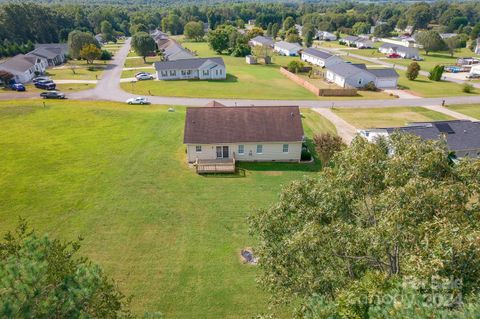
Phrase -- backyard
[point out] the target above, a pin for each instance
(386, 117)
(243, 81)
(113, 174)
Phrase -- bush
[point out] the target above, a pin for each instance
(306, 155)
(295, 66)
(467, 88)
(105, 56)
(436, 73)
(370, 86)
(412, 71)
(327, 145)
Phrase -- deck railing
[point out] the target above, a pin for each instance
(215, 166)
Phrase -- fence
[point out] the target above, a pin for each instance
(315, 89)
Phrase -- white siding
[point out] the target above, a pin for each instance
(217, 72)
(271, 152)
(319, 61)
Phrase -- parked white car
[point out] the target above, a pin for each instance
(138, 100)
(144, 76)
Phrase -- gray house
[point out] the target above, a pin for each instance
(319, 57)
(54, 53)
(172, 50)
(462, 136)
(357, 75)
(261, 40)
(403, 51)
(189, 69)
(23, 67)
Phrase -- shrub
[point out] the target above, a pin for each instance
(305, 155)
(106, 55)
(467, 88)
(327, 145)
(436, 73)
(295, 66)
(412, 71)
(370, 86)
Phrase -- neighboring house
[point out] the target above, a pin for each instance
(401, 41)
(287, 48)
(261, 40)
(54, 53)
(159, 37)
(403, 51)
(319, 57)
(299, 29)
(359, 42)
(448, 35)
(187, 69)
(172, 50)
(462, 136)
(23, 67)
(477, 46)
(475, 69)
(349, 40)
(326, 36)
(99, 38)
(269, 133)
(357, 75)
(467, 61)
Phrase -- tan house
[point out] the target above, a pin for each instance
(222, 134)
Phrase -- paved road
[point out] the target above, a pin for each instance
(108, 88)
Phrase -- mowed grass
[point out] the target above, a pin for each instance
(134, 62)
(116, 175)
(386, 117)
(243, 81)
(424, 87)
(472, 110)
(77, 70)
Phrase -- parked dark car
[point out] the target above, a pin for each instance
(40, 78)
(46, 85)
(52, 95)
(18, 87)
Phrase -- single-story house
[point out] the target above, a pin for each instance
(268, 133)
(54, 53)
(319, 57)
(462, 136)
(261, 40)
(172, 50)
(403, 41)
(196, 68)
(359, 42)
(403, 51)
(447, 35)
(357, 75)
(23, 67)
(468, 61)
(326, 36)
(475, 69)
(287, 48)
(349, 40)
(99, 38)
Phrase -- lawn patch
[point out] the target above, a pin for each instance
(472, 110)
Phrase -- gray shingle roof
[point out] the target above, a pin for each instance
(461, 135)
(288, 46)
(17, 64)
(351, 38)
(61, 47)
(345, 69)
(44, 53)
(317, 53)
(384, 73)
(185, 64)
(263, 40)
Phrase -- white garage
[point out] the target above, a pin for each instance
(385, 78)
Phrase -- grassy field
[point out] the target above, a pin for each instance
(243, 81)
(385, 117)
(138, 61)
(114, 174)
(427, 88)
(472, 110)
(77, 70)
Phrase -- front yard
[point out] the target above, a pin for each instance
(386, 117)
(77, 70)
(114, 174)
(424, 87)
(72, 87)
(472, 110)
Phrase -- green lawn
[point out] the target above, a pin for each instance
(424, 87)
(472, 110)
(386, 117)
(138, 61)
(243, 81)
(116, 175)
(77, 70)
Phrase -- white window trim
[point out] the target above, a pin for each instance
(243, 149)
(257, 149)
(196, 148)
(283, 148)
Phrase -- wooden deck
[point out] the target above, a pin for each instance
(215, 166)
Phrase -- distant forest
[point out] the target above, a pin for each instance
(22, 24)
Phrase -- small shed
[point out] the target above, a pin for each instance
(250, 59)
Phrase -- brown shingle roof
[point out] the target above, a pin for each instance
(212, 125)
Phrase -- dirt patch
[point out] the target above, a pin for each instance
(248, 257)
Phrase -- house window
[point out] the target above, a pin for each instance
(241, 149)
(285, 148)
(173, 73)
(184, 72)
(206, 72)
(198, 148)
(164, 73)
(259, 149)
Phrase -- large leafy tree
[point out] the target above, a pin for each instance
(143, 44)
(218, 39)
(194, 30)
(396, 208)
(44, 278)
(431, 41)
(90, 53)
(78, 40)
(108, 33)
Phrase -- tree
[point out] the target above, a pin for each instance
(308, 33)
(106, 55)
(475, 33)
(108, 33)
(77, 40)
(412, 71)
(275, 29)
(419, 15)
(288, 23)
(173, 24)
(43, 276)
(194, 30)
(143, 44)
(269, 29)
(436, 73)
(397, 209)
(431, 41)
(5, 77)
(382, 31)
(454, 43)
(361, 28)
(253, 32)
(327, 145)
(218, 40)
(90, 53)
(295, 66)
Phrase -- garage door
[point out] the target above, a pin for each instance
(386, 83)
